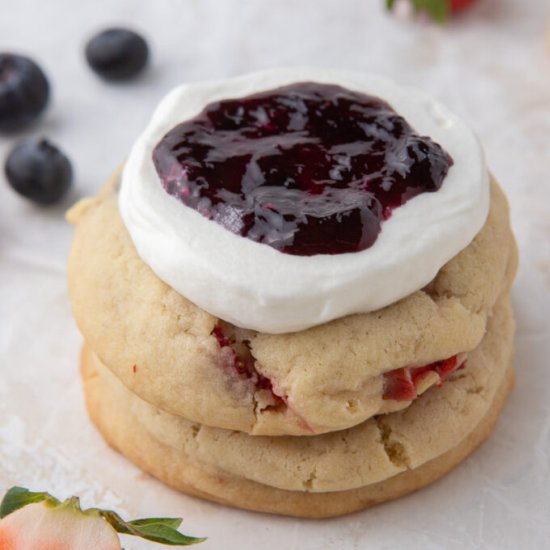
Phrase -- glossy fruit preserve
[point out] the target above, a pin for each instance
(308, 168)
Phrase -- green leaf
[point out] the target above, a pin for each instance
(161, 530)
(165, 534)
(18, 497)
(171, 522)
(437, 9)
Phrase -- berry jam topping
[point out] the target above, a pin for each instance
(401, 384)
(308, 168)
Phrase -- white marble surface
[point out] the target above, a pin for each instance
(492, 66)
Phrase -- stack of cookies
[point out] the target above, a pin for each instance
(381, 361)
(315, 423)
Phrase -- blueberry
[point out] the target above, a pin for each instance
(24, 91)
(117, 53)
(39, 171)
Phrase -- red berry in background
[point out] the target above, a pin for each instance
(457, 5)
(438, 10)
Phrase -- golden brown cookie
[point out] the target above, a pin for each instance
(319, 476)
(331, 377)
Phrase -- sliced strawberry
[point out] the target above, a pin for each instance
(56, 527)
(401, 384)
(38, 521)
(398, 385)
(418, 373)
(446, 367)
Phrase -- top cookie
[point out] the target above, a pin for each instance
(290, 207)
(185, 361)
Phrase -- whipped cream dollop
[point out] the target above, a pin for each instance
(255, 286)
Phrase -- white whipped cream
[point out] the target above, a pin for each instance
(254, 286)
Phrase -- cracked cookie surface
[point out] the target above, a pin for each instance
(323, 379)
(323, 475)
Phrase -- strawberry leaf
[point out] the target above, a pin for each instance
(436, 9)
(161, 530)
(165, 534)
(171, 522)
(18, 497)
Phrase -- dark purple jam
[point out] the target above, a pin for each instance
(307, 169)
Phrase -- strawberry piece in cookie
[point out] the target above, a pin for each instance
(399, 385)
(237, 360)
(236, 357)
(402, 384)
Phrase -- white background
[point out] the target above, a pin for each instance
(492, 66)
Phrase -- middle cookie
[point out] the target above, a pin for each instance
(185, 361)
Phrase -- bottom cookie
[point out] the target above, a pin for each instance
(459, 416)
